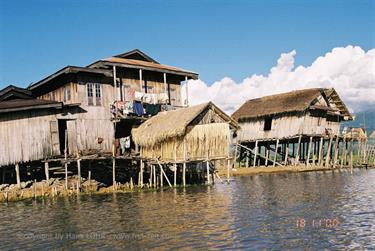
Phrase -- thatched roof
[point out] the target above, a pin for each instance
(173, 124)
(290, 102)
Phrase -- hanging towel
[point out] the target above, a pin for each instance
(138, 96)
(138, 108)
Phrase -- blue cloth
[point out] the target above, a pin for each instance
(138, 108)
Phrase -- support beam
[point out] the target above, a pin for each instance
(308, 152)
(228, 169)
(335, 152)
(255, 152)
(163, 173)
(79, 171)
(286, 153)
(320, 158)
(17, 168)
(140, 80)
(298, 149)
(277, 146)
(46, 170)
(328, 156)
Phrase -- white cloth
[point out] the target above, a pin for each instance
(138, 96)
(163, 98)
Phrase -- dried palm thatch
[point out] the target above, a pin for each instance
(200, 142)
(288, 103)
(185, 134)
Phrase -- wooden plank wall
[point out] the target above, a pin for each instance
(25, 136)
(286, 126)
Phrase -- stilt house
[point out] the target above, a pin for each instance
(282, 120)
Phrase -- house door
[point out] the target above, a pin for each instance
(62, 135)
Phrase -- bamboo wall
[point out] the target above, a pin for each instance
(286, 126)
(25, 136)
(201, 142)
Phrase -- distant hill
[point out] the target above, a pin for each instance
(365, 118)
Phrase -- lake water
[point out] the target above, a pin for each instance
(317, 210)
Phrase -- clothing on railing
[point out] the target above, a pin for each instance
(138, 108)
(152, 109)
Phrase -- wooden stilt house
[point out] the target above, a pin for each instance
(290, 126)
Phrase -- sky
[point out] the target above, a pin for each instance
(241, 49)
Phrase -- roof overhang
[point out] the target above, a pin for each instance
(105, 63)
(70, 69)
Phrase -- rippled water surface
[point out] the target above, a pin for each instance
(322, 210)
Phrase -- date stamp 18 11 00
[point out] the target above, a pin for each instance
(318, 223)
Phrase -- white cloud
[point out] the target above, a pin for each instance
(350, 70)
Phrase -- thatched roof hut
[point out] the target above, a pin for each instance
(357, 133)
(310, 112)
(372, 135)
(194, 133)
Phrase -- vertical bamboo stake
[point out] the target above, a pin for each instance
(255, 152)
(151, 174)
(343, 152)
(175, 166)
(66, 159)
(298, 149)
(328, 156)
(320, 160)
(17, 168)
(314, 153)
(351, 155)
(154, 176)
(277, 146)
(335, 152)
(267, 153)
(308, 152)
(184, 166)
(228, 169)
(286, 153)
(79, 170)
(46, 170)
(161, 176)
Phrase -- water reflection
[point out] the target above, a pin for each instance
(278, 211)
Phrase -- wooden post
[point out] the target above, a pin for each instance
(140, 80)
(161, 175)
(79, 171)
(267, 153)
(141, 173)
(235, 156)
(46, 170)
(255, 152)
(17, 168)
(277, 146)
(298, 149)
(351, 155)
(314, 153)
(328, 157)
(114, 172)
(66, 159)
(320, 157)
(154, 176)
(89, 178)
(286, 153)
(175, 166)
(184, 166)
(150, 179)
(165, 82)
(335, 152)
(343, 153)
(308, 152)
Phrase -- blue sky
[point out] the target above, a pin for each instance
(215, 38)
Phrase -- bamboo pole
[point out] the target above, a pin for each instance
(267, 153)
(335, 152)
(79, 171)
(154, 176)
(17, 168)
(320, 160)
(286, 154)
(277, 146)
(66, 159)
(151, 174)
(308, 152)
(184, 166)
(351, 155)
(298, 149)
(175, 166)
(314, 153)
(228, 169)
(343, 153)
(328, 156)
(46, 170)
(255, 153)
(163, 173)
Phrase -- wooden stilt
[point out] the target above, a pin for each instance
(151, 174)
(89, 178)
(328, 157)
(267, 153)
(163, 173)
(184, 166)
(154, 170)
(114, 172)
(255, 152)
(298, 149)
(351, 155)
(79, 171)
(141, 173)
(235, 156)
(276, 148)
(46, 170)
(17, 168)
(208, 171)
(320, 158)
(335, 152)
(308, 152)
(161, 176)
(314, 153)
(343, 152)
(175, 167)
(66, 159)
(286, 154)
